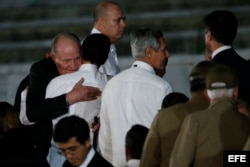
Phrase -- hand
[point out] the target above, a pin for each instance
(82, 93)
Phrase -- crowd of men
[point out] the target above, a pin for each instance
(77, 108)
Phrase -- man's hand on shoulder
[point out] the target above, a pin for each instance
(82, 93)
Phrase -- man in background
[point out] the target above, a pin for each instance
(134, 96)
(220, 32)
(205, 135)
(167, 123)
(72, 137)
(109, 19)
(134, 141)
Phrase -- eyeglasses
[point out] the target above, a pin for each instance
(70, 150)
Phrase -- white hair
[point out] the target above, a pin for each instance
(220, 93)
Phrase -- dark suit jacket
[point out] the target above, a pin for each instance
(40, 110)
(97, 161)
(239, 64)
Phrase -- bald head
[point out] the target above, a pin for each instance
(64, 36)
(66, 52)
(110, 20)
(102, 9)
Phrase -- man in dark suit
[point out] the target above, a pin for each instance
(65, 58)
(220, 32)
(72, 137)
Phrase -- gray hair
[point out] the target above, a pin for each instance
(142, 38)
(62, 35)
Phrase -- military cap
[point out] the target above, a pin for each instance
(221, 76)
(198, 74)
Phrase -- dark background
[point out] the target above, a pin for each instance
(27, 26)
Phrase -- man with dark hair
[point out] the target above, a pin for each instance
(173, 98)
(72, 137)
(134, 141)
(220, 32)
(167, 123)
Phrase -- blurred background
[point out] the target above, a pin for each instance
(27, 27)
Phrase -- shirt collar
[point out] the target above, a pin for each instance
(144, 66)
(220, 49)
(88, 67)
(133, 163)
(95, 31)
(88, 158)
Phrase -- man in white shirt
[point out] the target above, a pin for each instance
(134, 96)
(95, 49)
(109, 19)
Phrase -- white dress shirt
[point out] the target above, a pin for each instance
(220, 49)
(133, 163)
(134, 96)
(110, 67)
(23, 116)
(64, 83)
(88, 158)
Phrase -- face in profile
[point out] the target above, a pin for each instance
(161, 56)
(114, 23)
(207, 40)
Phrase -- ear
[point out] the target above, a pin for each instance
(206, 95)
(53, 57)
(148, 52)
(88, 143)
(208, 35)
(102, 23)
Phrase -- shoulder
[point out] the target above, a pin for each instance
(173, 113)
(200, 116)
(162, 84)
(61, 84)
(44, 66)
(98, 160)
(43, 62)
(65, 77)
